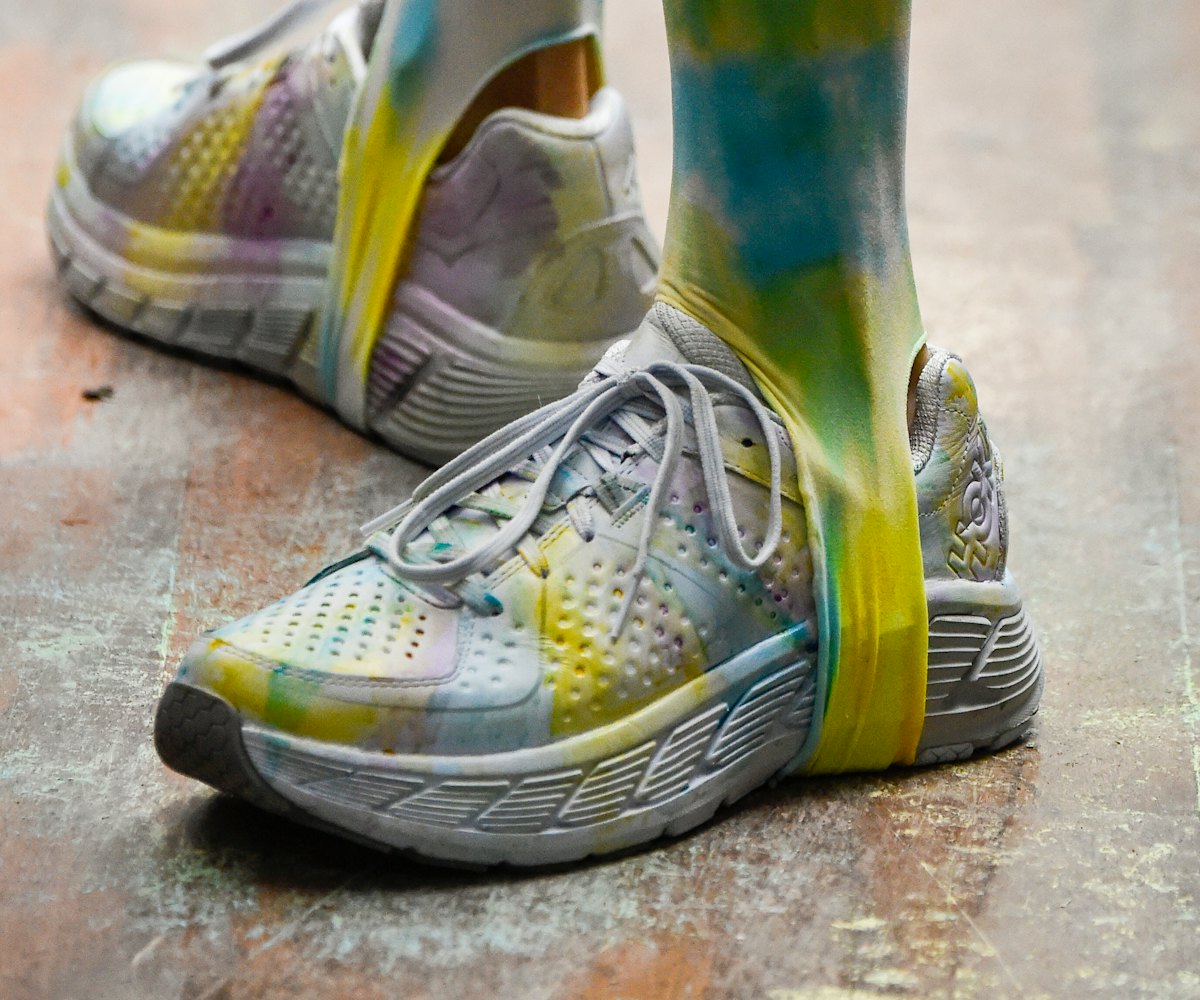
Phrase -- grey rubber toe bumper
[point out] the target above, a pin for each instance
(200, 735)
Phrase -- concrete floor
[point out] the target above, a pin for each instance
(1055, 198)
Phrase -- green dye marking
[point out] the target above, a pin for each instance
(288, 699)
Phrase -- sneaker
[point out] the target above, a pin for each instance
(595, 628)
(195, 205)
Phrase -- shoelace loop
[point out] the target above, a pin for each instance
(564, 425)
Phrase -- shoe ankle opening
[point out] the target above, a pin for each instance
(558, 80)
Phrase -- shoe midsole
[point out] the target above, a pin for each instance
(188, 268)
(709, 741)
(985, 668)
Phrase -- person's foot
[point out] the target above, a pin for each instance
(196, 206)
(595, 628)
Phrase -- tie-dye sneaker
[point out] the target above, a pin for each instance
(596, 628)
(196, 205)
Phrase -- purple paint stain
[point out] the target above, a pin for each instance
(273, 194)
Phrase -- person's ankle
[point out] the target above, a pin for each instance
(560, 80)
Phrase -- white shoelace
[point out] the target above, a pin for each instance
(241, 46)
(577, 422)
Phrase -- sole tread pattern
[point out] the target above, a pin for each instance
(200, 735)
(984, 683)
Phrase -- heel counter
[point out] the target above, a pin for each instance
(599, 282)
(960, 488)
(528, 233)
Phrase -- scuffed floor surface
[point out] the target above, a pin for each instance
(1055, 194)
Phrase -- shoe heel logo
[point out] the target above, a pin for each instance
(976, 548)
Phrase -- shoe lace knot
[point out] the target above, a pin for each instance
(614, 413)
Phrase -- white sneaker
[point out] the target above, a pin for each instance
(196, 206)
(596, 627)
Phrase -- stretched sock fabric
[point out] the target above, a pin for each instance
(429, 61)
(787, 238)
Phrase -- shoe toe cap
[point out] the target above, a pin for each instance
(126, 116)
(332, 661)
(272, 693)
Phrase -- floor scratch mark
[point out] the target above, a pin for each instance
(285, 931)
(979, 932)
(147, 951)
(1192, 714)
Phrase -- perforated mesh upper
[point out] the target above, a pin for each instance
(245, 151)
(669, 637)
(357, 621)
(202, 167)
(287, 161)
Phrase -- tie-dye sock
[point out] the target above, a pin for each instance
(430, 59)
(787, 237)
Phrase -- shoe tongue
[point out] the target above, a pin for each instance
(667, 334)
